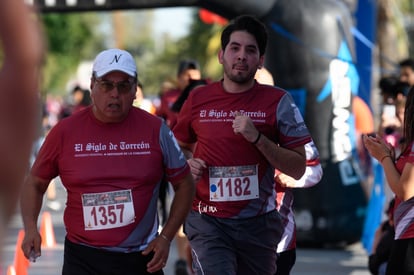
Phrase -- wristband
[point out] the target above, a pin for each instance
(384, 157)
(257, 139)
(165, 237)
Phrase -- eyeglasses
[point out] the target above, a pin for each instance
(123, 87)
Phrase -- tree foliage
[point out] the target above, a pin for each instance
(200, 44)
(70, 38)
(74, 37)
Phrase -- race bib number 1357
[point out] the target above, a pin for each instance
(107, 210)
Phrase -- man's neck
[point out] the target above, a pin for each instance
(234, 87)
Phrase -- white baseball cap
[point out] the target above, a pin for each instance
(114, 60)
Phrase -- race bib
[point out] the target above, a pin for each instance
(107, 210)
(233, 183)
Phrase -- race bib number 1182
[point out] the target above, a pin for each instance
(233, 183)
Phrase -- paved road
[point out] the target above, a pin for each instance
(351, 260)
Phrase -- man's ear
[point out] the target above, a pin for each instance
(261, 62)
(220, 56)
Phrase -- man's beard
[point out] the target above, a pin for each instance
(241, 78)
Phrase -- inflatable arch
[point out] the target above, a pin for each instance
(311, 54)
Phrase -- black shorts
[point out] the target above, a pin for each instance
(84, 260)
(285, 262)
(401, 260)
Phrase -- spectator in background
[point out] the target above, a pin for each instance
(187, 70)
(165, 87)
(392, 116)
(407, 71)
(399, 172)
(141, 102)
(22, 53)
(402, 88)
(194, 83)
(80, 99)
(83, 100)
(386, 85)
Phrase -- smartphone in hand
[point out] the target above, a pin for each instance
(389, 111)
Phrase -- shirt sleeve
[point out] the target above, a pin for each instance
(290, 123)
(174, 160)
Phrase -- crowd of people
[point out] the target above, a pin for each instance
(229, 192)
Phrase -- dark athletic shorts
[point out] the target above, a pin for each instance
(84, 260)
(234, 246)
(285, 261)
(401, 260)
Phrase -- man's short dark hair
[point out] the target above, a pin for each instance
(249, 24)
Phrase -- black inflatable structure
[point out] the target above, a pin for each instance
(311, 54)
